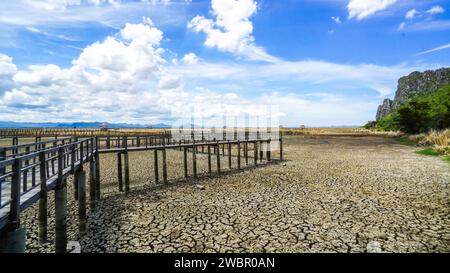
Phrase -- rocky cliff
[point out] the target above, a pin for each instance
(415, 83)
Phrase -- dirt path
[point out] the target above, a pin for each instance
(332, 194)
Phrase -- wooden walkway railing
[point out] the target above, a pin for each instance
(29, 171)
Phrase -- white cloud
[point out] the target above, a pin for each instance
(58, 14)
(7, 71)
(232, 29)
(361, 9)
(439, 48)
(402, 26)
(337, 19)
(411, 14)
(436, 10)
(190, 58)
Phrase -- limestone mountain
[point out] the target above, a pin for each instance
(416, 83)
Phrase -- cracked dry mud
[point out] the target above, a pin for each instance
(333, 194)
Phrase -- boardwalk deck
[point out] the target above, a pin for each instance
(29, 171)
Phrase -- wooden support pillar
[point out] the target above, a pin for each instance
(92, 183)
(108, 142)
(25, 172)
(239, 155)
(229, 155)
(72, 169)
(261, 152)
(246, 152)
(127, 172)
(281, 147)
(156, 168)
(218, 159)
(255, 145)
(164, 165)
(14, 207)
(119, 171)
(185, 163)
(269, 156)
(209, 160)
(2, 169)
(81, 178)
(60, 207)
(194, 159)
(43, 216)
(97, 176)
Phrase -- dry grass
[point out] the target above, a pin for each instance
(337, 132)
(438, 140)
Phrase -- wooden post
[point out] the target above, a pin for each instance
(185, 163)
(60, 207)
(255, 145)
(246, 152)
(156, 168)
(218, 159)
(119, 171)
(229, 156)
(194, 159)
(127, 172)
(261, 152)
(43, 216)
(239, 155)
(108, 142)
(81, 178)
(72, 168)
(164, 164)
(2, 169)
(92, 183)
(25, 172)
(209, 159)
(97, 174)
(14, 208)
(281, 147)
(269, 156)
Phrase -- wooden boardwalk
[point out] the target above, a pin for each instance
(29, 171)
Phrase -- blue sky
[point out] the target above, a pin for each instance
(318, 62)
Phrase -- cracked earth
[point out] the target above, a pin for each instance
(332, 194)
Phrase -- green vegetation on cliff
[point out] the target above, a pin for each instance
(419, 114)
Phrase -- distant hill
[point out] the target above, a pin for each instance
(78, 125)
(415, 84)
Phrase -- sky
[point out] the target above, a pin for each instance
(303, 62)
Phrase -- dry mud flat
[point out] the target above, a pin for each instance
(333, 194)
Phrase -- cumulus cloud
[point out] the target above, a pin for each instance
(231, 31)
(436, 10)
(190, 58)
(411, 14)
(361, 9)
(7, 71)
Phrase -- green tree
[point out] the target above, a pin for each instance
(413, 117)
